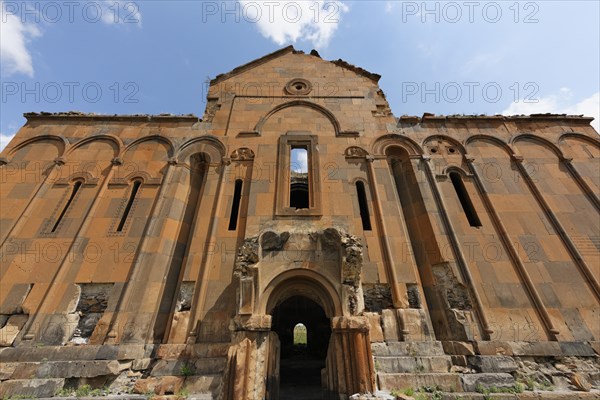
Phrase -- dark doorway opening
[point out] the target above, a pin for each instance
(302, 357)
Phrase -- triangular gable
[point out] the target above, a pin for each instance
(286, 50)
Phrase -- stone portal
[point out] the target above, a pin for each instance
(301, 363)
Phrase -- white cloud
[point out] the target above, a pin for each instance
(290, 21)
(560, 103)
(14, 37)
(4, 139)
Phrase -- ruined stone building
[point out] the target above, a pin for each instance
(173, 254)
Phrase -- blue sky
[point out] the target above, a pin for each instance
(120, 57)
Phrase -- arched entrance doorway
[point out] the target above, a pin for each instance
(337, 355)
(300, 296)
(302, 358)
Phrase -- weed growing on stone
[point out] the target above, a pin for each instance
(486, 391)
(377, 366)
(186, 370)
(436, 392)
(83, 391)
(398, 392)
(64, 392)
(531, 385)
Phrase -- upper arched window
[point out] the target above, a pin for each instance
(465, 200)
(74, 191)
(134, 191)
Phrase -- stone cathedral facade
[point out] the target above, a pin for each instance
(175, 255)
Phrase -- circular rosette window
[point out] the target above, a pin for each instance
(298, 87)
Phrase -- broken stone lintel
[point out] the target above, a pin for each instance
(251, 323)
(357, 323)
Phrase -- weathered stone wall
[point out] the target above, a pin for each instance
(73, 269)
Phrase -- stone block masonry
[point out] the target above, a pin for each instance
(174, 255)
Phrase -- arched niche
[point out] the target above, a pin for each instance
(532, 146)
(579, 147)
(39, 148)
(211, 148)
(148, 155)
(443, 146)
(382, 145)
(28, 165)
(91, 155)
(479, 141)
(298, 116)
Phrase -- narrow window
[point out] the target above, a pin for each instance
(465, 200)
(299, 187)
(76, 187)
(235, 206)
(362, 204)
(136, 187)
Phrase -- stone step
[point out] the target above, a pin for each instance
(30, 388)
(107, 397)
(410, 349)
(203, 384)
(189, 367)
(197, 350)
(535, 349)
(398, 381)
(473, 382)
(75, 353)
(195, 385)
(451, 382)
(537, 395)
(492, 363)
(94, 368)
(112, 352)
(63, 369)
(413, 364)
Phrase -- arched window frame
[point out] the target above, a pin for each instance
(363, 204)
(75, 189)
(236, 203)
(456, 179)
(129, 206)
